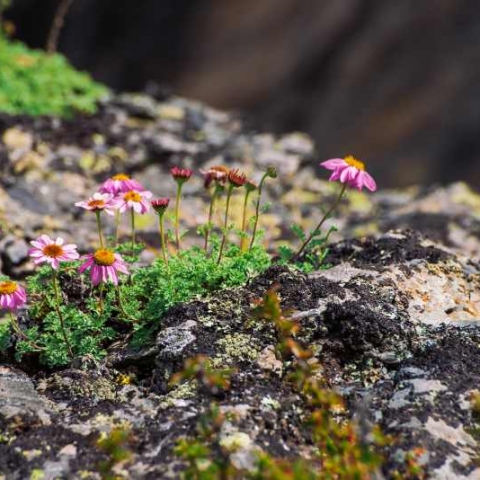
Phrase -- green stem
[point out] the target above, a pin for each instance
(100, 300)
(162, 239)
(210, 217)
(225, 224)
(322, 221)
(18, 331)
(243, 238)
(120, 305)
(257, 209)
(58, 302)
(177, 215)
(99, 227)
(133, 230)
(117, 226)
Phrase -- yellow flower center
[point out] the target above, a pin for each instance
(7, 288)
(121, 177)
(104, 257)
(52, 250)
(354, 162)
(132, 196)
(96, 203)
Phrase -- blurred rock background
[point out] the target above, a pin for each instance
(396, 83)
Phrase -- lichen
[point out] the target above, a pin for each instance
(235, 347)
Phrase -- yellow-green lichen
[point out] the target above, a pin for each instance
(184, 391)
(234, 347)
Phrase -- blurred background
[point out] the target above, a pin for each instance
(396, 82)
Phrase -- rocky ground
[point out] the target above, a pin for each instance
(394, 324)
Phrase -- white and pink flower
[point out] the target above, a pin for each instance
(53, 252)
(100, 202)
(104, 266)
(134, 199)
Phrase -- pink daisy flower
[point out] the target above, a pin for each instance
(104, 266)
(351, 172)
(99, 202)
(46, 250)
(120, 183)
(134, 199)
(12, 295)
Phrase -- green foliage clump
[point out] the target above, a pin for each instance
(144, 299)
(35, 83)
(4, 335)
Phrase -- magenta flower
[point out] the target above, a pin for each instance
(181, 175)
(135, 200)
(104, 266)
(46, 250)
(160, 205)
(12, 295)
(99, 202)
(351, 172)
(120, 183)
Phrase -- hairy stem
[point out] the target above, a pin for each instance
(257, 210)
(132, 212)
(117, 227)
(225, 224)
(322, 221)
(120, 304)
(243, 238)
(162, 239)
(210, 217)
(18, 331)
(177, 215)
(99, 228)
(57, 25)
(58, 303)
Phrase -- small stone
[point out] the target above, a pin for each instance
(268, 361)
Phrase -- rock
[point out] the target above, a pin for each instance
(18, 398)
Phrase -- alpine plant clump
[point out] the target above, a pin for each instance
(176, 276)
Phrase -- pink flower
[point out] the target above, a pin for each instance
(181, 175)
(99, 202)
(350, 171)
(134, 199)
(160, 205)
(104, 265)
(120, 183)
(46, 250)
(12, 295)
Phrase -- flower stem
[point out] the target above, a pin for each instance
(243, 237)
(100, 300)
(322, 221)
(59, 312)
(18, 331)
(162, 239)
(177, 215)
(133, 230)
(120, 305)
(257, 209)
(225, 224)
(210, 217)
(99, 227)
(117, 227)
